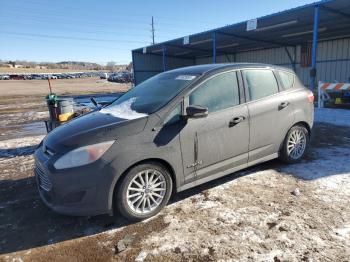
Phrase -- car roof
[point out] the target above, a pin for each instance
(212, 68)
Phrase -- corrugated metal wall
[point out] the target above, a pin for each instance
(148, 65)
(333, 61)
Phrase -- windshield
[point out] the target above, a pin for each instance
(150, 95)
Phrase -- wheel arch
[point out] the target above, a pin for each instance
(118, 181)
(300, 123)
(304, 124)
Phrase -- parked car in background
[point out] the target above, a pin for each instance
(36, 77)
(28, 77)
(120, 77)
(104, 76)
(4, 77)
(16, 77)
(45, 76)
(174, 131)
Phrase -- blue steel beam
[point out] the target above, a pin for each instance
(254, 39)
(214, 47)
(314, 47)
(134, 66)
(164, 58)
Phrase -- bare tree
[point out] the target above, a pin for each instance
(110, 66)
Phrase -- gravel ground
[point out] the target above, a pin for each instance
(11, 89)
(270, 212)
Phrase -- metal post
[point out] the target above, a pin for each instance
(133, 67)
(214, 47)
(152, 31)
(295, 59)
(314, 47)
(319, 101)
(164, 58)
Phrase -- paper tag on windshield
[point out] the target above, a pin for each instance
(185, 77)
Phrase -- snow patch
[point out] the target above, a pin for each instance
(343, 233)
(16, 118)
(21, 142)
(207, 204)
(123, 110)
(330, 171)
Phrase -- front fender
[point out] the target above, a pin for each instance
(130, 154)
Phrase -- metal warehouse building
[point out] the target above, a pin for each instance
(313, 39)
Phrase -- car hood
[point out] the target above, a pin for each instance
(92, 128)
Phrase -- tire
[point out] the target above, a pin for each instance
(291, 156)
(149, 200)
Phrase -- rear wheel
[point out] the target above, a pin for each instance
(295, 144)
(144, 191)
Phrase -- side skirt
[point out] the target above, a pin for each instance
(226, 172)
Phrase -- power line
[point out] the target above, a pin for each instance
(27, 20)
(46, 17)
(82, 29)
(70, 37)
(123, 16)
(69, 44)
(72, 47)
(106, 20)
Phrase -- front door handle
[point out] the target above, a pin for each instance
(236, 121)
(283, 105)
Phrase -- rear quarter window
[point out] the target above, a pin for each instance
(287, 79)
(261, 83)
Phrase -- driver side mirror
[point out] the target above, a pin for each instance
(194, 111)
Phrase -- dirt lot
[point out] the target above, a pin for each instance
(271, 212)
(23, 107)
(59, 86)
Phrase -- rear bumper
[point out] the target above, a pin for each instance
(81, 191)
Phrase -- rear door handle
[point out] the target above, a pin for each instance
(236, 121)
(283, 105)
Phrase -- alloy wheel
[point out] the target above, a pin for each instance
(146, 191)
(296, 144)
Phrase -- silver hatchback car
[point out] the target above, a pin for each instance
(174, 131)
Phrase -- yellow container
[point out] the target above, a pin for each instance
(338, 101)
(65, 117)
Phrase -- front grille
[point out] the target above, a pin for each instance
(44, 181)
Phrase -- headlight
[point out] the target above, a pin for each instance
(82, 155)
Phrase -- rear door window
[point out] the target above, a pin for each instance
(261, 83)
(287, 79)
(217, 93)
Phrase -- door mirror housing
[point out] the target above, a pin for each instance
(194, 111)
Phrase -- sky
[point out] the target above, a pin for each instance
(107, 30)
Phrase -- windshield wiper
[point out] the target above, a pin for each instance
(93, 100)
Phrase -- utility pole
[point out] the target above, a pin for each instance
(152, 31)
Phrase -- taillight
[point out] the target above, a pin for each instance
(311, 97)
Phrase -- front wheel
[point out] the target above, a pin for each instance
(295, 144)
(144, 191)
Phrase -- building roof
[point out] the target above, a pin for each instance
(287, 28)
